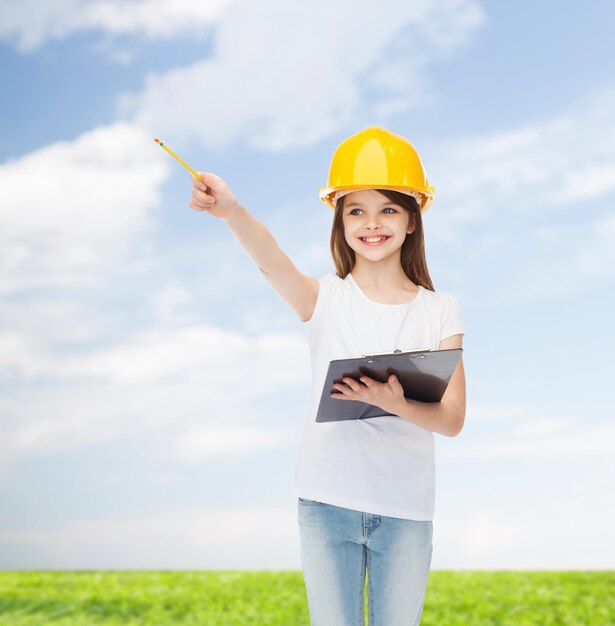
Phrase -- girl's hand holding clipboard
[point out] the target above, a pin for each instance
(388, 396)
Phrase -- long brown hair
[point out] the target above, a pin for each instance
(412, 255)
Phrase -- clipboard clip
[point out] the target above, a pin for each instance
(396, 351)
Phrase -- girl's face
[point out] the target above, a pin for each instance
(370, 214)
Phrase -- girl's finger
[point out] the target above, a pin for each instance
(346, 392)
(201, 206)
(200, 193)
(352, 383)
(201, 197)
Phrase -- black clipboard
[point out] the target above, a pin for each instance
(424, 375)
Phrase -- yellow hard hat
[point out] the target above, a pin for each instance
(376, 158)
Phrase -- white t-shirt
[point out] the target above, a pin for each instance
(382, 465)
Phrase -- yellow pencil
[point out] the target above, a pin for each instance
(194, 173)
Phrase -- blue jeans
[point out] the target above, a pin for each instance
(337, 544)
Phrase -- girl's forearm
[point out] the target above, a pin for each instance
(255, 239)
(438, 417)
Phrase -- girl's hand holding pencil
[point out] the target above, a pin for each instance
(209, 192)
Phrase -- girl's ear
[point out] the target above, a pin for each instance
(411, 224)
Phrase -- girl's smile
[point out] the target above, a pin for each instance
(374, 240)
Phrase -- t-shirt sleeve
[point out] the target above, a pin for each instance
(452, 319)
(324, 295)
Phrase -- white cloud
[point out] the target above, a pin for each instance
(220, 538)
(490, 539)
(565, 159)
(194, 538)
(262, 61)
(590, 442)
(197, 388)
(151, 356)
(596, 256)
(541, 426)
(519, 431)
(203, 443)
(30, 24)
(171, 301)
(498, 412)
(531, 204)
(73, 210)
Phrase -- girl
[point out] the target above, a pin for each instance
(365, 487)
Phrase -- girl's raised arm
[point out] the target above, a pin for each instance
(300, 291)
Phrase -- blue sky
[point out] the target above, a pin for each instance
(135, 429)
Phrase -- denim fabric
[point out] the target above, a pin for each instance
(339, 544)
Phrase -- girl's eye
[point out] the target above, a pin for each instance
(352, 211)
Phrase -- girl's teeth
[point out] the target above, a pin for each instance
(372, 239)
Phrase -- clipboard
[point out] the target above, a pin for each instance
(424, 375)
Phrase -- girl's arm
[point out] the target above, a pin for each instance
(254, 238)
(211, 194)
(298, 290)
(447, 416)
(438, 417)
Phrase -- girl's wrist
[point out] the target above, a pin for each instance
(234, 210)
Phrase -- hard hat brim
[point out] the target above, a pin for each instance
(330, 195)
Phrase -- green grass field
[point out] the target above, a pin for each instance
(268, 598)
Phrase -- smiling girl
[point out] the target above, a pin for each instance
(365, 487)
